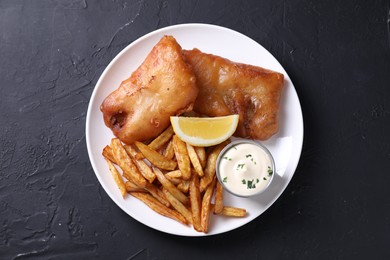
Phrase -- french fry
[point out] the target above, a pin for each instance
(130, 186)
(195, 203)
(139, 156)
(144, 169)
(157, 194)
(107, 153)
(126, 163)
(233, 212)
(174, 180)
(127, 176)
(194, 159)
(158, 207)
(117, 178)
(174, 174)
(169, 152)
(163, 138)
(170, 187)
(201, 152)
(156, 158)
(218, 198)
(206, 207)
(182, 157)
(176, 194)
(209, 171)
(184, 186)
(176, 204)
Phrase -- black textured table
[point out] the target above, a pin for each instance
(337, 54)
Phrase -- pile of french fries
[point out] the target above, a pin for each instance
(173, 178)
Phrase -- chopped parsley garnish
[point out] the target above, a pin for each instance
(264, 178)
(270, 172)
(250, 156)
(243, 181)
(257, 180)
(240, 166)
(251, 184)
(227, 158)
(224, 179)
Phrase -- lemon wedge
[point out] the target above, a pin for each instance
(204, 131)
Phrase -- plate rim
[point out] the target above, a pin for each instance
(92, 100)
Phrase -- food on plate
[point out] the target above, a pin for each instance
(218, 198)
(125, 162)
(210, 168)
(195, 198)
(117, 178)
(155, 157)
(233, 212)
(170, 187)
(188, 201)
(169, 161)
(245, 168)
(144, 169)
(162, 86)
(204, 131)
(195, 161)
(226, 88)
(159, 208)
(181, 154)
(206, 207)
(160, 140)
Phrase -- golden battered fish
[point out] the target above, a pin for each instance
(163, 86)
(226, 87)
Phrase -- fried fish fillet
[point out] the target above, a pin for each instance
(226, 87)
(162, 86)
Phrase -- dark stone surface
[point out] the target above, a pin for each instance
(52, 53)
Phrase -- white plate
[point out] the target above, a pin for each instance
(286, 146)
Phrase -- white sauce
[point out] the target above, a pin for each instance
(245, 169)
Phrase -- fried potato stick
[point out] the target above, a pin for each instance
(206, 207)
(176, 204)
(184, 186)
(169, 152)
(163, 138)
(218, 198)
(107, 153)
(170, 187)
(194, 159)
(155, 157)
(174, 174)
(158, 207)
(157, 194)
(126, 163)
(229, 211)
(201, 152)
(145, 169)
(182, 157)
(130, 186)
(195, 203)
(209, 171)
(117, 178)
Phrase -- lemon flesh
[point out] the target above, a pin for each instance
(204, 131)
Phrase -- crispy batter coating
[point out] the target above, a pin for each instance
(163, 86)
(226, 87)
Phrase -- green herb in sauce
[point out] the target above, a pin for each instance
(240, 166)
(270, 172)
(250, 184)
